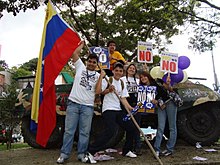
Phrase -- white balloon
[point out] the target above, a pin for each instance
(185, 77)
(155, 72)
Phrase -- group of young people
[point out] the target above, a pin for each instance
(118, 99)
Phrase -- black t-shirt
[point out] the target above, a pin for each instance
(161, 91)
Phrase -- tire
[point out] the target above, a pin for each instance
(98, 126)
(200, 124)
(55, 139)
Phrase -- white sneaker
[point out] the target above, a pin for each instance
(88, 158)
(60, 160)
(91, 158)
(131, 155)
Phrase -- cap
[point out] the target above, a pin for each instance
(118, 64)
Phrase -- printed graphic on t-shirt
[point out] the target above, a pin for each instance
(87, 80)
(145, 95)
(132, 87)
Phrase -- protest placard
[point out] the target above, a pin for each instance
(169, 62)
(103, 56)
(145, 54)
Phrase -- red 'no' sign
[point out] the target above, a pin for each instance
(145, 56)
(169, 66)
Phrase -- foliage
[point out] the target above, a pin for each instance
(69, 70)
(7, 103)
(156, 20)
(128, 21)
(31, 65)
(19, 72)
(3, 65)
(204, 20)
(8, 115)
(15, 6)
(14, 146)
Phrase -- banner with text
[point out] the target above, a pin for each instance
(145, 95)
(145, 54)
(169, 62)
(103, 55)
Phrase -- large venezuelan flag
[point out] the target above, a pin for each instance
(58, 44)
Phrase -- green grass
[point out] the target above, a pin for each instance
(14, 146)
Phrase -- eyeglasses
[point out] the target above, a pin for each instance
(90, 61)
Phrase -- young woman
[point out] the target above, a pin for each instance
(147, 90)
(166, 110)
(131, 81)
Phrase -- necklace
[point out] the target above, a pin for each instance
(88, 87)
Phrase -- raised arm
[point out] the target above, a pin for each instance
(77, 51)
(98, 89)
(167, 84)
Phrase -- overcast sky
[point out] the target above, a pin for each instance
(20, 38)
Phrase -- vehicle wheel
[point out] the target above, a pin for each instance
(98, 126)
(55, 139)
(200, 124)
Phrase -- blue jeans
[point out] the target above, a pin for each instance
(169, 112)
(77, 114)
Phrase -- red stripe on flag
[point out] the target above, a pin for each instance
(53, 64)
(47, 117)
(59, 56)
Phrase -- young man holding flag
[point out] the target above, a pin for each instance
(80, 107)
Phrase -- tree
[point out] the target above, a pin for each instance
(132, 20)
(31, 65)
(15, 6)
(124, 21)
(7, 103)
(19, 72)
(8, 116)
(204, 20)
(3, 65)
(156, 20)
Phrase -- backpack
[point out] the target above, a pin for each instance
(111, 80)
(99, 98)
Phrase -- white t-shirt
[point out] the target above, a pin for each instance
(111, 101)
(132, 85)
(83, 90)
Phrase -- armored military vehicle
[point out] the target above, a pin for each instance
(198, 119)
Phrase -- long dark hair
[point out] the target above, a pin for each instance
(146, 74)
(134, 76)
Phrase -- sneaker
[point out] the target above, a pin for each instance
(158, 153)
(166, 153)
(131, 155)
(137, 152)
(88, 158)
(60, 160)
